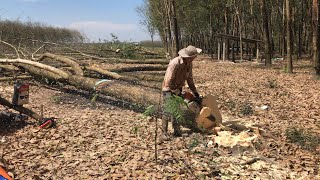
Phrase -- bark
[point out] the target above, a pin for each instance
(144, 77)
(128, 61)
(316, 38)
(267, 47)
(289, 37)
(14, 78)
(175, 28)
(139, 68)
(9, 68)
(140, 95)
(112, 75)
(39, 65)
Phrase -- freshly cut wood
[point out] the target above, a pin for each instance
(14, 78)
(210, 115)
(139, 68)
(20, 109)
(74, 65)
(39, 65)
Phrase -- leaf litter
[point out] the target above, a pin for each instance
(111, 142)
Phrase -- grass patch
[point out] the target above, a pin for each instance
(246, 109)
(272, 83)
(305, 139)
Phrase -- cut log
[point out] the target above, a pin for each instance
(14, 78)
(209, 116)
(148, 61)
(144, 77)
(74, 65)
(136, 94)
(9, 68)
(42, 73)
(39, 65)
(20, 109)
(112, 75)
(139, 68)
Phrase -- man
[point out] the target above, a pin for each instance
(178, 71)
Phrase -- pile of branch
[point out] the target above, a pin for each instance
(119, 86)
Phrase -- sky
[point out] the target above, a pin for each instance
(95, 18)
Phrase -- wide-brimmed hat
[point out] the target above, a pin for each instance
(189, 51)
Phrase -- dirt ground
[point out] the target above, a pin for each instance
(109, 141)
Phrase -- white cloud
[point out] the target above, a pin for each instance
(95, 30)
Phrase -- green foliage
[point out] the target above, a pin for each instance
(94, 98)
(55, 99)
(303, 138)
(230, 104)
(285, 69)
(174, 105)
(272, 83)
(149, 111)
(21, 33)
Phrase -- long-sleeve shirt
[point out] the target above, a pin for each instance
(177, 73)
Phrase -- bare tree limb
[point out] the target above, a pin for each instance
(39, 65)
(8, 44)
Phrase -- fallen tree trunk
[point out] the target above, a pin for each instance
(42, 73)
(128, 61)
(112, 75)
(39, 65)
(20, 109)
(145, 77)
(14, 78)
(140, 95)
(139, 68)
(9, 68)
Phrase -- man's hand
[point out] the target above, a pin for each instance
(176, 92)
(198, 99)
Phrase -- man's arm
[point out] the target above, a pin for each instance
(191, 83)
(168, 79)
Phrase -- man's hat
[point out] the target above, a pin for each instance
(189, 51)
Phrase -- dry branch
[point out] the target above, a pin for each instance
(75, 66)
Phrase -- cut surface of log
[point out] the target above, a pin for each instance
(210, 115)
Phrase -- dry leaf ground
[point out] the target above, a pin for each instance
(111, 142)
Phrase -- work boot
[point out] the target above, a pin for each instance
(176, 128)
(164, 135)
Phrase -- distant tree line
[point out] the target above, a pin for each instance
(285, 26)
(29, 33)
